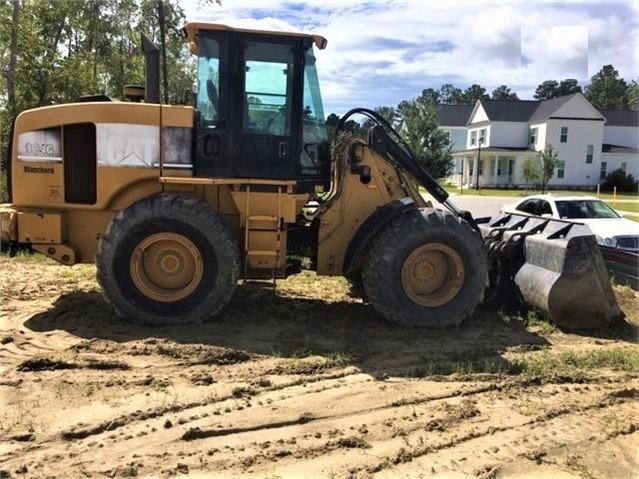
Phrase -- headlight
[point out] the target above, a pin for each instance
(610, 242)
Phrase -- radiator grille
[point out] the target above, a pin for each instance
(628, 242)
(80, 163)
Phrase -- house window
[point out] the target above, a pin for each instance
(481, 167)
(482, 136)
(602, 175)
(561, 169)
(589, 151)
(533, 136)
(473, 137)
(564, 134)
(624, 165)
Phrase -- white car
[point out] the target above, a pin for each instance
(608, 226)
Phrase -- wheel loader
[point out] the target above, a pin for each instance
(178, 204)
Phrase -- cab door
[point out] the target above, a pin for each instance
(267, 138)
(213, 141)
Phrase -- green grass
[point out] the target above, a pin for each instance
(624, 206)
(536, 320)
(570, 362)
(26, 256)
(538, 364)
(520, 193)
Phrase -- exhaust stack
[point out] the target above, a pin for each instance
(152, 70)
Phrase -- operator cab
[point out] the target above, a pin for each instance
(259, 106)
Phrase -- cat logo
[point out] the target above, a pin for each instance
(126, 145)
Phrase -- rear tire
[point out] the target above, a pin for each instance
(167, 259)
(427, 268)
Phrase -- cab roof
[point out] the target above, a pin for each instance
(191, 29)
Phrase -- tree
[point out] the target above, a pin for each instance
(549, 161)
(546, 90)
(531, 170)
(568, 87)
(503, 92)
(632, 93)
(432, 95)
(607, 91)
(540, 169)
(13, 56)
(430, 144)
(449, 95)
(473, 93)
(552, 89)
(388, 113)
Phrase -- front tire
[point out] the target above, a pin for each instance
(427, 268)
(167, 259)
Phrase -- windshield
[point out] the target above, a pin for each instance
(585, 209)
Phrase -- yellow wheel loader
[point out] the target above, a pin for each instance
(178, 203)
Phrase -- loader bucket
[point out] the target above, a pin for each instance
(556, 266)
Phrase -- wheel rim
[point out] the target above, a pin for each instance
(433, 274)
(166, 267)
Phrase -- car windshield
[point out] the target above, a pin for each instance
(585, 209)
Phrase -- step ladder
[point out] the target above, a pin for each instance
(261, 229)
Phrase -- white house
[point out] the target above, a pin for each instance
(502, 134)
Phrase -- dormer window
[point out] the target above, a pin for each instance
(473, 138)
(482, 136)
(533, 136)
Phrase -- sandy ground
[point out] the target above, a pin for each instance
(306, 382)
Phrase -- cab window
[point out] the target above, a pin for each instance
(208, 101)
(268, 87)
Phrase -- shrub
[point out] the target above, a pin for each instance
(621, 180)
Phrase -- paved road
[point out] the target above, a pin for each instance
(479, 206)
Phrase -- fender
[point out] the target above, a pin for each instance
(358, 245)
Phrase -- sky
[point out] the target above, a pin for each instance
(382, 52)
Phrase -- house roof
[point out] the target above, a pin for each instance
(509, 110)
(620, 117)
(527, 111)
(531, 111)
(453, 115)
(547, 107)
(608, 148)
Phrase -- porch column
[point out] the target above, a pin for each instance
(495, 171)
(473, 179)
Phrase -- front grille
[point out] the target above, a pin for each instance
(628, 242)
(80, 163)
